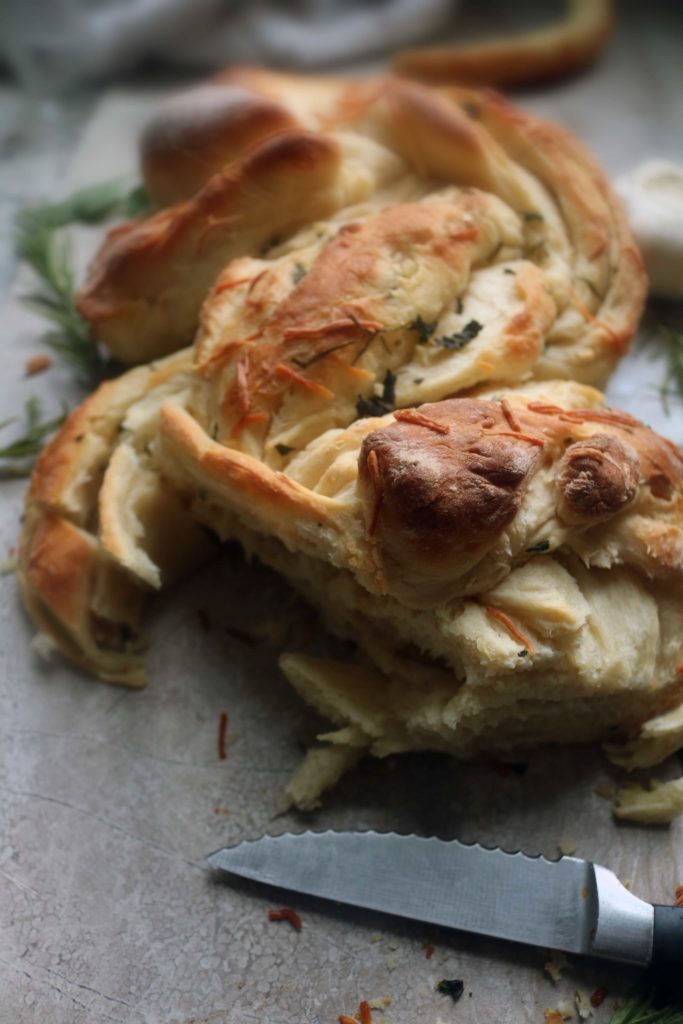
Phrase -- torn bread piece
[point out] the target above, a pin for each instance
(102, 531)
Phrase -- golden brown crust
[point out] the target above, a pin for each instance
(436, 538)
(151, 276)
(445, 481)
(597, 478)
(83, 589)
(195, 135)
(546, 53)
(399, 138)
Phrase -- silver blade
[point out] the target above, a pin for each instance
(568, 904)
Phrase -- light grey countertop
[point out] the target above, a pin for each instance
(110, 799)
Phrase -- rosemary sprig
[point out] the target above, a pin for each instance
(90, 205)
(49, 256)
(641, 1008)
(673, 341)
(39, 243)
(25, 449)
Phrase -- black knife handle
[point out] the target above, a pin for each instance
(667, 939)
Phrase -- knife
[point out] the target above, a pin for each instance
(569, 904)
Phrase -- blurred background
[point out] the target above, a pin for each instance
(58, 58)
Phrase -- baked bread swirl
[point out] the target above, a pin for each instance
(84, 578)
(535, 201)
(481, 552)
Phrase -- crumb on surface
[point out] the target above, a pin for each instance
(554, 967)
(37, 364)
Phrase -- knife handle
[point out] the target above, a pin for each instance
(667, 939)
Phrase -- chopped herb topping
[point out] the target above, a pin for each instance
(376, 405)
(284, 449)
(389, 389)
(451, 987)
(459, 305)
(529, 215)
(522, 653)
(508, 270)
(298, 272)
(453, 342)
(471, 109)
(536, 549)
(305, 363)
(591, 287)
(25, 449)
(417, 380)
(425, 328)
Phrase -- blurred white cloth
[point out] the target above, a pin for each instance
(57, 43)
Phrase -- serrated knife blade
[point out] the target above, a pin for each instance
(569, 904)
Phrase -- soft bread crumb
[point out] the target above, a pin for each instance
(656, 806)
(554, 967)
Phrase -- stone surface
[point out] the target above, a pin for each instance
(110, 799)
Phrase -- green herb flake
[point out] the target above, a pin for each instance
(452, 987)
(374, 405)
(298, 273)
(531, 215)
(25, 449)
(453, 342)
(508, 270)
(424, 328)
(284, 449)
(591, 287)
(317, 356)
(471, 109)
(417, 380)
(543, 545)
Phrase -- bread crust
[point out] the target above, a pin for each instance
(573, 229)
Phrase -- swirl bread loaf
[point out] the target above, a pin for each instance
(480, 550)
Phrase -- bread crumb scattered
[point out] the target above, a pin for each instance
(36, 364)
(658, 805)
(554, 967)
(583, 1004)
(379, 1004)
